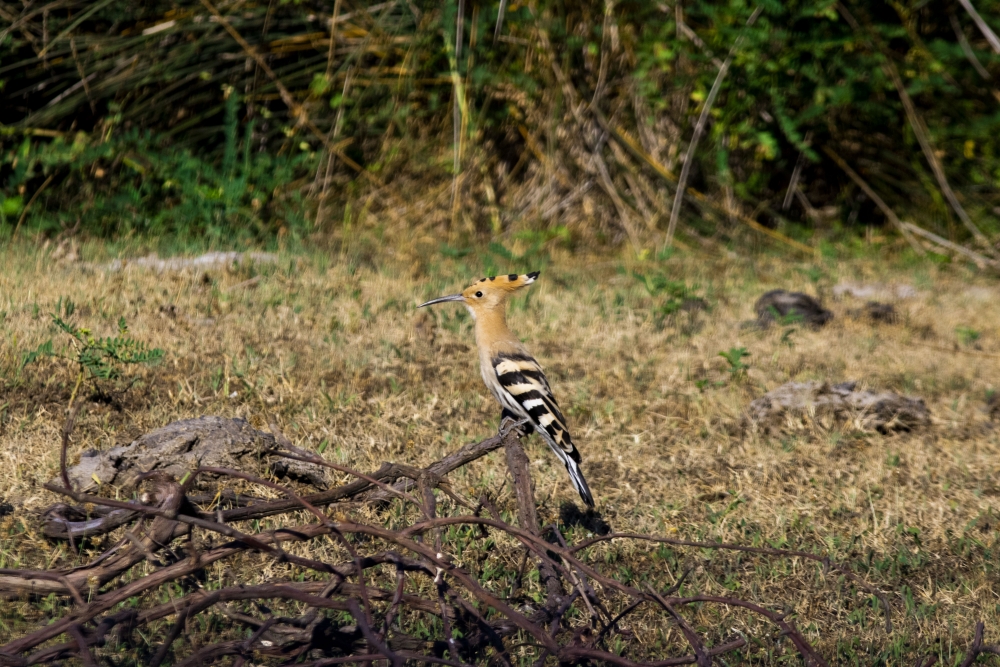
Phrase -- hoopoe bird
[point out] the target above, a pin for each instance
(512, 375)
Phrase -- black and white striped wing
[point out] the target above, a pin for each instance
(524, 390)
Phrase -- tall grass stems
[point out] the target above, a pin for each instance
(237, 122)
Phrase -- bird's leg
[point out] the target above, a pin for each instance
(509, 420)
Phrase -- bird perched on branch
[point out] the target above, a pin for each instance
(511, 374)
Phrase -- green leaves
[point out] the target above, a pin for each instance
(671, 296)
(659, 284)
(734, 357)
(135, 183)
(967, 335)
(99, 358)
(43, 350)
(11, 206)
(319, 85)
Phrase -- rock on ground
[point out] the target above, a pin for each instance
(209, 260)
(781, 304)
(790, 403)
(182, 446)
(876, 291)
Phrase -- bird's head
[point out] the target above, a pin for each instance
(488, 294)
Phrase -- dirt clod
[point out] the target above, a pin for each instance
(182, 446)
(993, 406)
(877, 313)
(795, 306)
(790, 403)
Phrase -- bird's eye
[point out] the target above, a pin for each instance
(479, 295)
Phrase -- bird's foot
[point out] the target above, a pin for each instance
(509, 423)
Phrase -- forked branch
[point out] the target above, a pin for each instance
(476, 624)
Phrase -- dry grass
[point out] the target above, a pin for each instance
(334, 345)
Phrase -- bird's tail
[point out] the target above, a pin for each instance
(576, 476)
(571, 459)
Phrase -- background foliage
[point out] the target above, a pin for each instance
(568, 122)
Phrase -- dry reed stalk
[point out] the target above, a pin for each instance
(977, 259)
(93, 9)
(83, 75)
(793, 184)
(500, 13)
(920, 130)
(683, 29)
(923, 137)
(27, 207)
(602, 73)
(699, 197)
(886, 210)
(295, 109)
(699, 128)
(459, 109)
(963, 42)
(333, 37)
(625, 212)
(984, 28)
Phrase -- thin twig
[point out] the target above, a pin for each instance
(701, 658)
(76, 632)
(454, 595)
(175, 631)
(67, 429)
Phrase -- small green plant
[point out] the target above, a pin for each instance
(704, 383)
(96, 358)
(675, 295)
(967, 335)
(666, 254)
(734, 357)
(65, 306)
(813, 273)
(659, 284)
(786, 337)
(454, 253)
(788, 319)
(532, 259)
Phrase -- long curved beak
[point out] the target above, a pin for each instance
(442, 299)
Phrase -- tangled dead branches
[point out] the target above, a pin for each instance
(570, 622)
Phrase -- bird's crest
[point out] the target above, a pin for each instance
(509, 283)
(488, 294)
